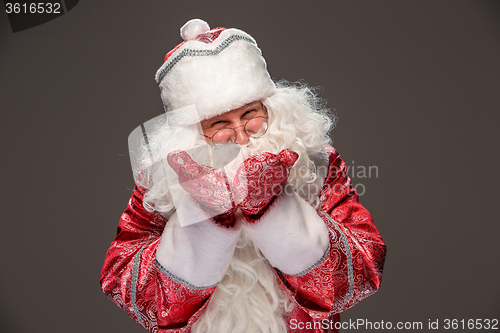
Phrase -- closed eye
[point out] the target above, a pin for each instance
(219, 124)
(249, 114)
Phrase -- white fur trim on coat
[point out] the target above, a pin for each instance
(290, 234)
(199, 254)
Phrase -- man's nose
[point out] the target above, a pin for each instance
(241, 136)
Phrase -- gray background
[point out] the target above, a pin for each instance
(416, 87)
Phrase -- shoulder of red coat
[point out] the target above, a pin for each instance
(332, 152)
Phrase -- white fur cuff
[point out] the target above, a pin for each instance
(291, 235)
(199, 254)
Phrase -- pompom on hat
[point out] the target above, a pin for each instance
(216, 70)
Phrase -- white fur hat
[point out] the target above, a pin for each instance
(216, 70)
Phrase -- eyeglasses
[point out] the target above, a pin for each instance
(254, 128)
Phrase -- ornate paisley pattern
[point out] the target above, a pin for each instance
(132, 280)
(209, 186)
(260, 178)
(351, 272)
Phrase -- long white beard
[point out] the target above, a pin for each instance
(248, 299)
(253, 147)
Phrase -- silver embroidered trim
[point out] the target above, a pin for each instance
(349, 260)
(179, 280)
(200, 53)
(135, 275)
(316, 264)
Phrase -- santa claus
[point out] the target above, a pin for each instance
(271, 238)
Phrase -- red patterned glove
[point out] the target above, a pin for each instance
(209, 186)
(259, 179)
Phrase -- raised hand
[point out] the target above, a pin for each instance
(209, 186)
(259, 179)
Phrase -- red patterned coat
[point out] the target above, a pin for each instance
(350, 271)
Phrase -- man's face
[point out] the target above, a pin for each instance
(236, 126)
